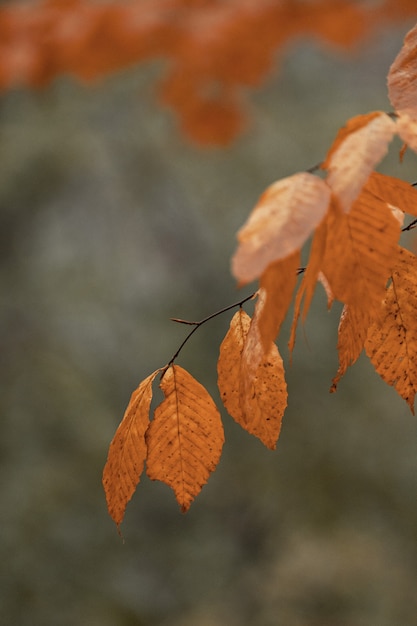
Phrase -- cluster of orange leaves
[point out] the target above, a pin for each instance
(354, 216)
(213, 48)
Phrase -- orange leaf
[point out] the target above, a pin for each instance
(284, 217)
(327, 289)
(254, 392)
(355, 152)
(394, 191)
(353, 327)
(361, 249)
(127, 451)
(229, 363)
(263, 390)
(392, 340)
(309, 281)
(402, 76)
(185, 438)
(278, 281)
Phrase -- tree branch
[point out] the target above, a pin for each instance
(200, 323)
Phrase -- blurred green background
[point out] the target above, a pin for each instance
(111, 223)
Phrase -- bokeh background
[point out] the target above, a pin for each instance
(110, 223)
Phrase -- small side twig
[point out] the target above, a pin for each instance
(410, 226)
(200, 323)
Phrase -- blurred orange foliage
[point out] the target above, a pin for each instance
(213, 48)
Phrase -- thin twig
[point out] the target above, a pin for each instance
(411, 225)
(180, 321)
(315, 167)
(200, 323)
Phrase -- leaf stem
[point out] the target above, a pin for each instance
(200, 323)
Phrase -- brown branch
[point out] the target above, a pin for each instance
(200, 323)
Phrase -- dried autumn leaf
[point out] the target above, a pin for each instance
(402, 77)
(278, 282)
(263, 390)
(306, 289)
(229, 363)
(127, 451)
(407, 129)
(391, 343)
(361, 248)
(255, 396)
(353, 328)
(356, 150)
(394, 191)
(185, 438)
(284, 217)
(264, 398)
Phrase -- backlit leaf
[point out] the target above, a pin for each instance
(284, 217)
(355, 152)
(407, 129)
(127, 451)
(185, 438)
(402, 76)
(392, 340)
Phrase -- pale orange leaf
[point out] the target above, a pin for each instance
(356, 151)
(407, 129)
(185, 438)
(353, 327)
(402, 77)
(254, 393)
(127, 451)
(278, 281)
(361, 248)
(392, 339)
(284, 217)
